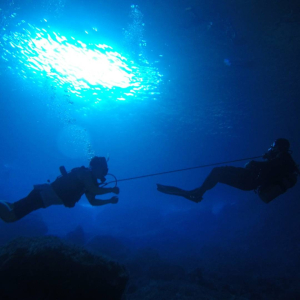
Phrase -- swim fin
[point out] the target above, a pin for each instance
(172, 190)
(6, 212)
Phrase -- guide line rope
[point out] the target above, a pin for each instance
(185, 169)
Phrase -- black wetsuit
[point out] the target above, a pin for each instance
(26, 205)
(252, 176)
(69, 188)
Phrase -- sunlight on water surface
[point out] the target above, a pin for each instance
(82, 68)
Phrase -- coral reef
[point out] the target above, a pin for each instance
(48, 268)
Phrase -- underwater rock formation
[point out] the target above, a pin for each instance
(77, 236)
(48, 268)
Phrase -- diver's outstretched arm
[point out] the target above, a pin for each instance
(92, 188)
(97, 202)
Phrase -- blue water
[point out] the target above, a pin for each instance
(223, 85)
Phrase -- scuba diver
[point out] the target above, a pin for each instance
(269, 178)
(66, 190)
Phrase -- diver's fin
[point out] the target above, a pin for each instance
(172, 190)
(7, 205)
(6, 212)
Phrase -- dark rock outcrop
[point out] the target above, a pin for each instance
(76, 236)
(48, 268)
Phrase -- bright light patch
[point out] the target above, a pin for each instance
(82, 68)
(79, 66)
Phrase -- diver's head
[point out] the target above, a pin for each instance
(279, 146)
(98, 165)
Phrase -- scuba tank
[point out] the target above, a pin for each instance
(269, 192)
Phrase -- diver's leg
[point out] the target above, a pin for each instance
(22, 207)
(236, 177)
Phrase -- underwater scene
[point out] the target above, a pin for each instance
(149, 149)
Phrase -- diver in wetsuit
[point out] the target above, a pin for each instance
(270, 178)
(65, 190)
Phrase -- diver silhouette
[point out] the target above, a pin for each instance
(66, 190)
(269, 178)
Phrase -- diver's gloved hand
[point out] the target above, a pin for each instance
(114, 200)
(115, 190)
